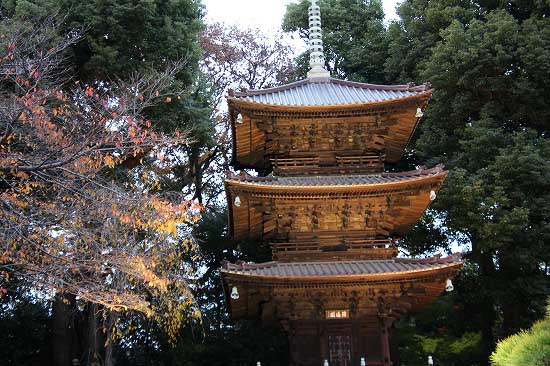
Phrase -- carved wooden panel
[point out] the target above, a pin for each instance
(259, 138)
(327, 138)
(365, 215)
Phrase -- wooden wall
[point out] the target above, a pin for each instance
(261, 137)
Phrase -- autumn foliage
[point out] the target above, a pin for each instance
(75, 217)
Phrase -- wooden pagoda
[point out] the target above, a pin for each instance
(331, 214)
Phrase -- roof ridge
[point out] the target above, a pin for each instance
(411, 87)
(244, 93)
(437, 259)
(412, 173)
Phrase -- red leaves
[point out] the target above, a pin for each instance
(66, 221)
(89, 92)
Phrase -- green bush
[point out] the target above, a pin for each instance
(527, 348)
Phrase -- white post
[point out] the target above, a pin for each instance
(430, 360)
(258, 363)
(363, 361)
(326, 363)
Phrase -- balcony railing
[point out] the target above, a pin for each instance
(316, 248)
(366, 163)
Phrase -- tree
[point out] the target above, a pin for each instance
(101, 64)
(353, 35)
(411, 39)
(233, 58)
(488, 123)
(66, 225)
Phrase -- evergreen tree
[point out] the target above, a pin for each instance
(488, 62)
(353, 35)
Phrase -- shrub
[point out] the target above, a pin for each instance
(527, 348)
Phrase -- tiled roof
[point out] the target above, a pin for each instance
(327, 92)
(340, 268)
(338, 180)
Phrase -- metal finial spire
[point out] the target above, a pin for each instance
(317, 56)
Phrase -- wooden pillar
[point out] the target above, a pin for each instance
(289, 330)
(356, 348)
(323, 338)
(385, 325)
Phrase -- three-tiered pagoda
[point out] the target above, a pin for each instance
(331, 214)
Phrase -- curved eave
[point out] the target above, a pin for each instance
(300, 189)
(246, 104)
(435, 271)
(330, 80)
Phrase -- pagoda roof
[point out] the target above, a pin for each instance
(336, 183)
(419, 281)
(327, 92)
(339, 180)
(337, 270)
(416, 185)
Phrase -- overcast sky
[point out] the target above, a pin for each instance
(264, 14)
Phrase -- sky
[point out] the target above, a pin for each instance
(266, 15)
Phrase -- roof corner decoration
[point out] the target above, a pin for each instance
(317, 56)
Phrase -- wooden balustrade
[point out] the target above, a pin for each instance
(361, 162)
(351, 248)
(290, 166)
(324, 245)
(369, 163)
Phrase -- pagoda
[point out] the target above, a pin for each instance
(331, 214)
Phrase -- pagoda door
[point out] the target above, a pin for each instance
(339, 348)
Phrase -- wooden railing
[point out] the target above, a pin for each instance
(361, 162)
(315, 248)
(336, 245)
(368, 163)
(295, 165)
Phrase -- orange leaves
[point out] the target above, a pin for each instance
(89, 91)
(70, 220)
(145, 271)
(109, 161)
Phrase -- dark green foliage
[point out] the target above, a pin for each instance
(24, 328)
(124, 36)
(411, 40)
(353, 34)
(488, 121)
(427, 237)
(446, 329)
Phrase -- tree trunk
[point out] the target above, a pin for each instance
(109, 324)
(487, 302)
(64, 340)
(93, 341)
(197, 171)
(514, 305)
